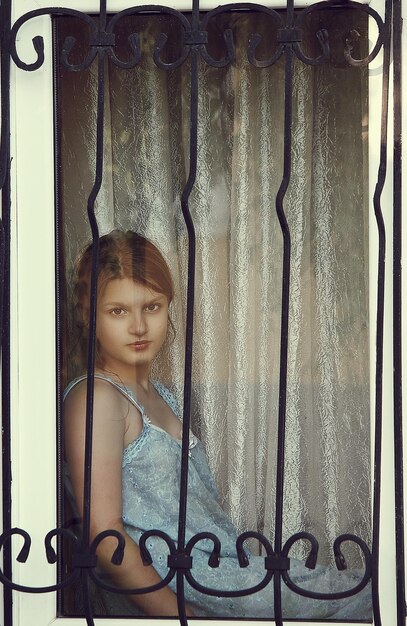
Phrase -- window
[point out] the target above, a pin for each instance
(29, 292)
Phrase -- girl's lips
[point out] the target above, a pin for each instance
(139, 345)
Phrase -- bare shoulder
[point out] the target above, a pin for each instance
(108, 402)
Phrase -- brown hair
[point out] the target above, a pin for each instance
(122, 254)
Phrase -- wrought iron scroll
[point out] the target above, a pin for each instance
(195, 39)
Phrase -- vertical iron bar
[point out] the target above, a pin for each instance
(397, 315)
(285, 302)
(92, 309)
(93, 292)
(5, 234)
(59, 299)
(102, 16)
(193, 155)
(381, 178)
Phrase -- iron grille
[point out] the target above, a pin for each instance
(195, 37)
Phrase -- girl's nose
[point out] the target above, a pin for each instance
(138, 324)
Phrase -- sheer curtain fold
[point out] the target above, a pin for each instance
(239, 264)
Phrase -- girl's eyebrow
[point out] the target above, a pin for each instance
(124, 303)
(114, 303)
(157, 297)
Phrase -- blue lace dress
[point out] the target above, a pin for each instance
(150, 475)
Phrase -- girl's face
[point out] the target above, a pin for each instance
(131, 326)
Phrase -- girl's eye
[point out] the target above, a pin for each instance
(152, 307)
(117, 311)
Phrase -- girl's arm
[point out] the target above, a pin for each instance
(109, 424)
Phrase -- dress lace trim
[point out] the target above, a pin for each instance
(131, 450)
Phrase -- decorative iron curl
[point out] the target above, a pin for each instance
(323, 39)
(340, 564)
(289, 36)
(254, 42)
(158, 48)
(286, 36)
(353, 36)
(214, 558)
(38, 41)
(193, 37)
(67, 47)
(230, 52)
(118, 554)
(117, 558)
(228, 35)
(134, 43)
(312, 557)
(50, 554)
(99, 39)
(87, 559)
(242, 560)
(161, 41)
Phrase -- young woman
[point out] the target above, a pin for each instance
(137, 451)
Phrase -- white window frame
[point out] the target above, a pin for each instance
(33, 388)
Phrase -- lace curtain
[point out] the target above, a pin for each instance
(239, 255)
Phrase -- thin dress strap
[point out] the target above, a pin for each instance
(123, 390)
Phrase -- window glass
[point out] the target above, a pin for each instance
(238, 279)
